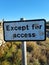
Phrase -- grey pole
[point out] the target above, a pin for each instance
(24, 53)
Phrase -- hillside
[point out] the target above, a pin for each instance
(37, 53)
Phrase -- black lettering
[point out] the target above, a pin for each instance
(36, 26)
(15, 28)
(25, 35)
(7, 28)
(22, 35)
(33, 35)
(19, 28)
(12, 28)
(29, 34)
(23, 28)
(33, 26)
(40, 26)
(14, 35)
(18, 35)
(27, 27)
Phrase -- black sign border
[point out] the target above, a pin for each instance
(23, 21)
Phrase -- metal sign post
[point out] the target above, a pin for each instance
(24, 53)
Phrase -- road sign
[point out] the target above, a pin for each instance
(26, 30)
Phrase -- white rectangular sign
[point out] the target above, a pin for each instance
(27, 30)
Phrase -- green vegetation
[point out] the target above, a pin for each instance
(37, 53)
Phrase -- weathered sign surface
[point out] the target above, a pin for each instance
(27, 30)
